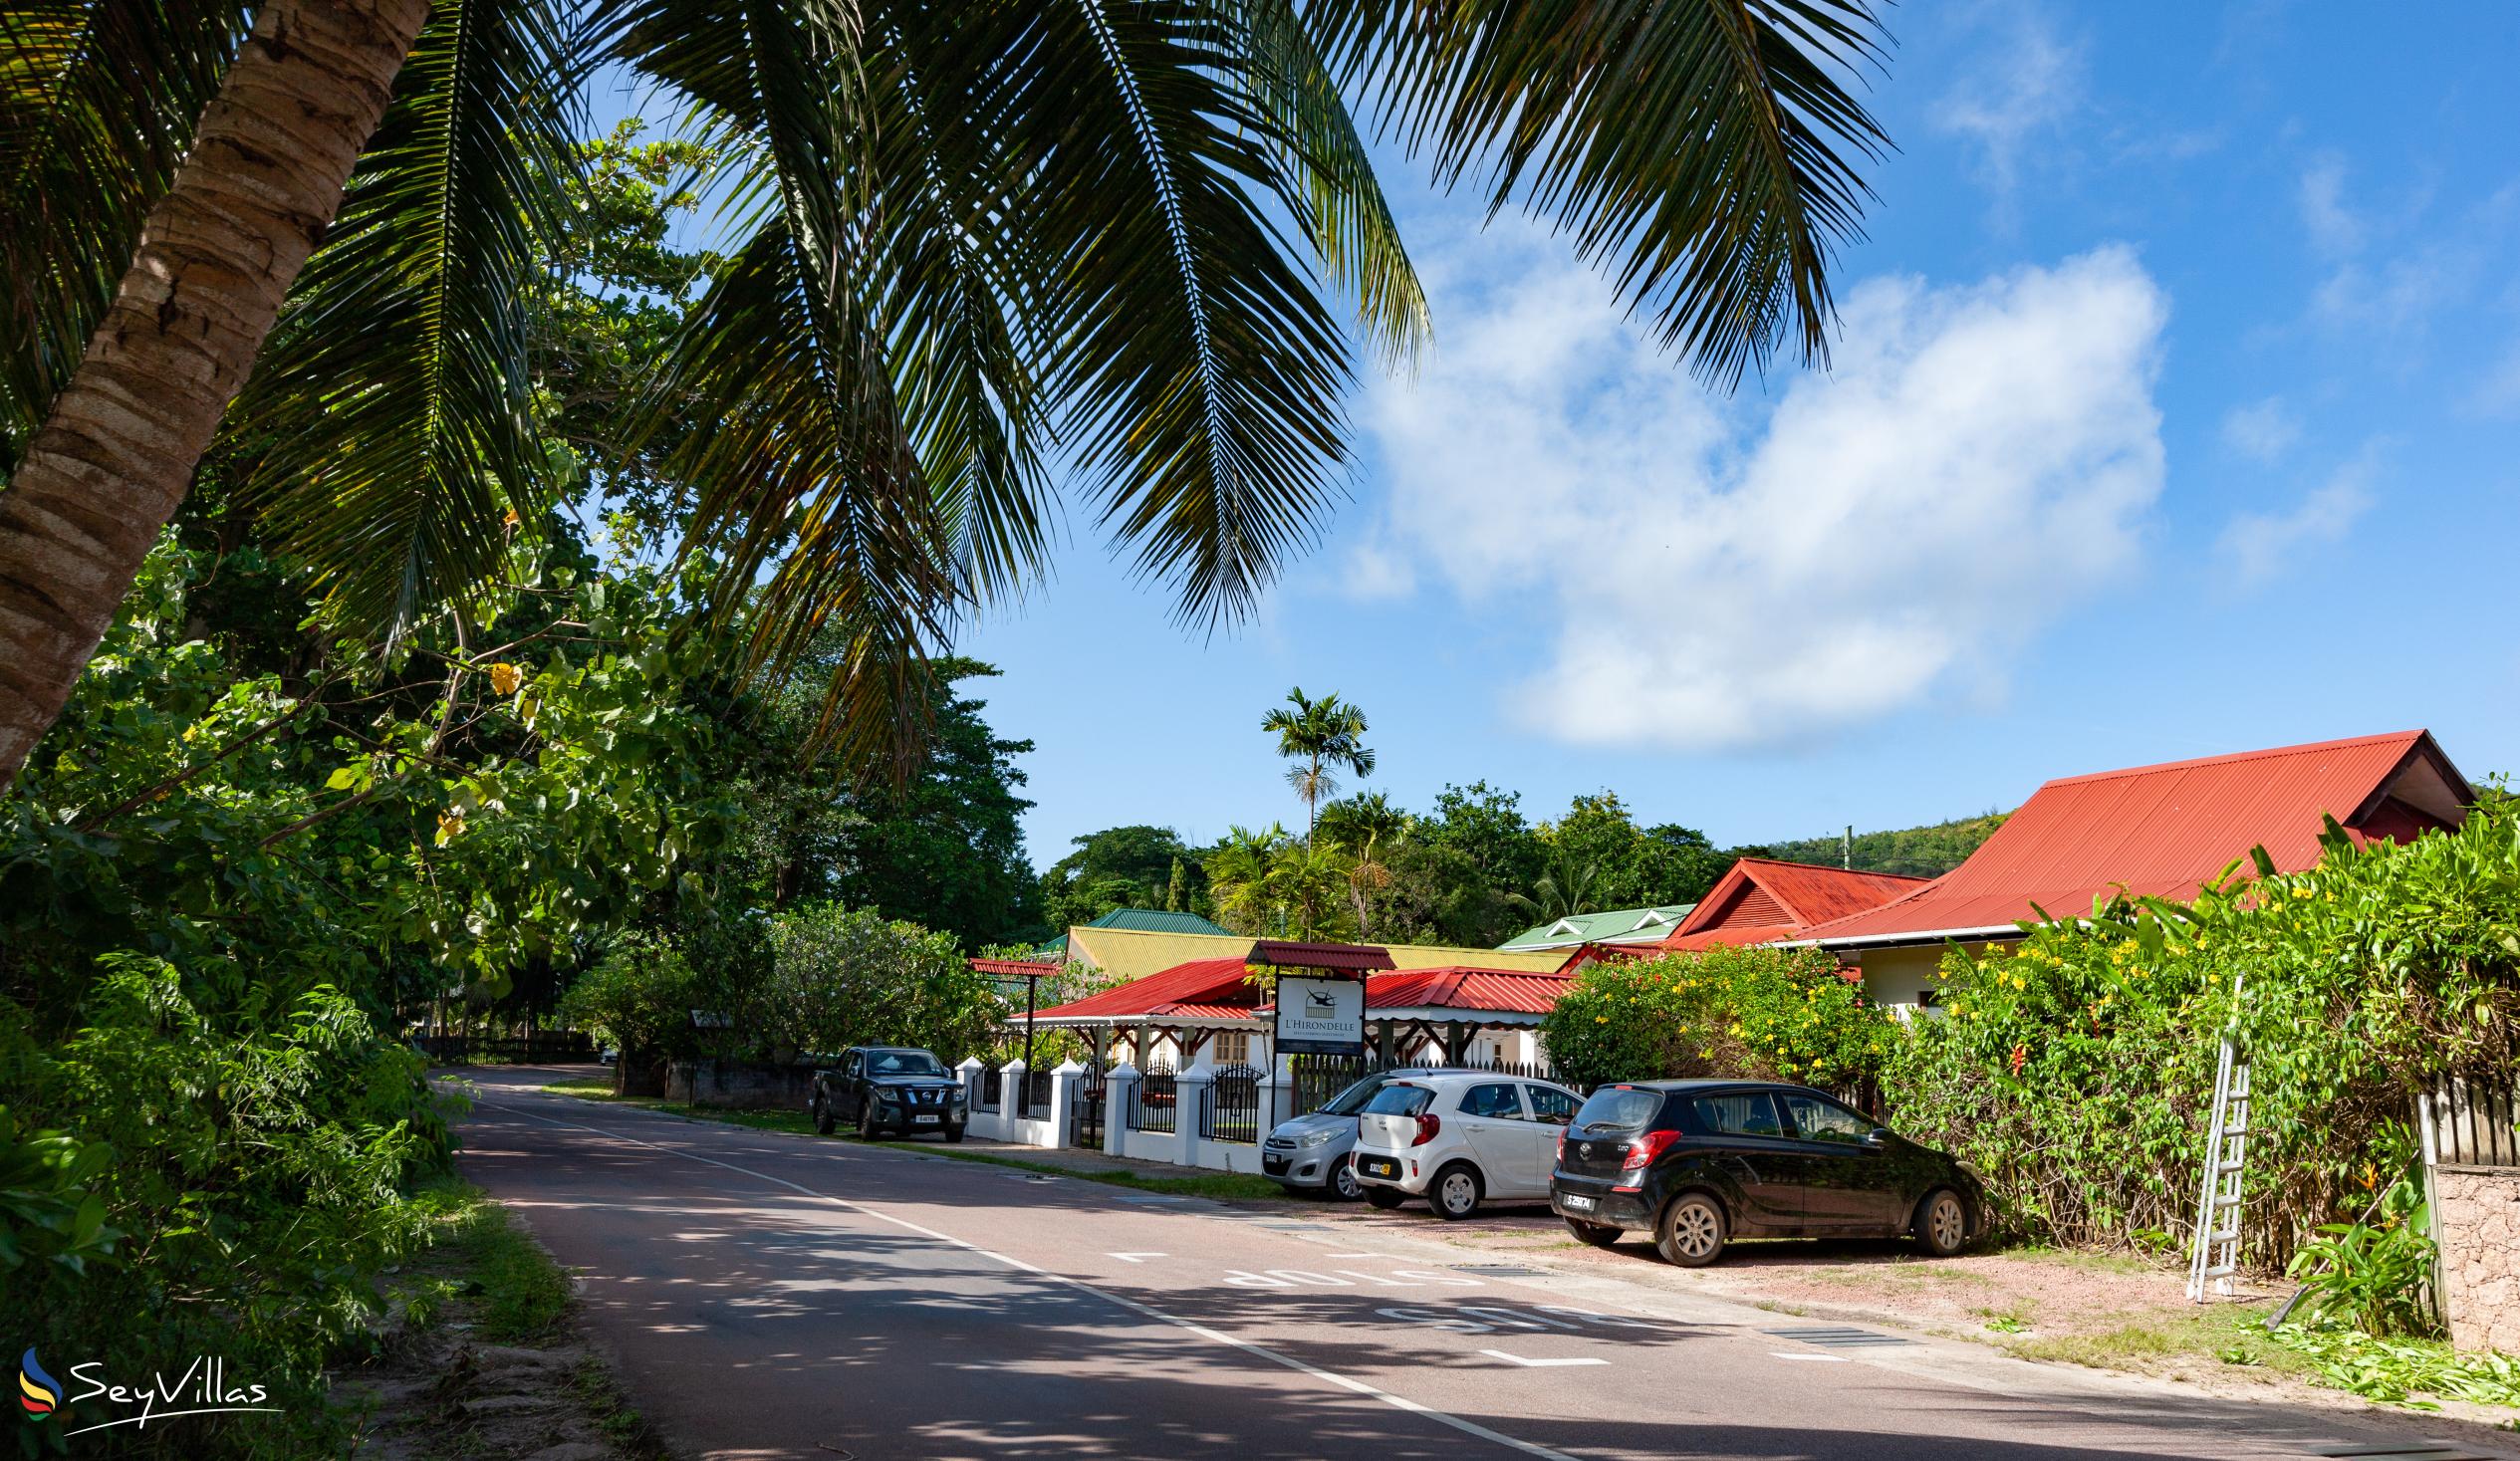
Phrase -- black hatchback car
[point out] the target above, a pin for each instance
(877, 1087)
(1698, 1164)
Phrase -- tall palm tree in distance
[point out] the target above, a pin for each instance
(1319, 736)
(961, 242)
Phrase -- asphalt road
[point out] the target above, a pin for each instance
(777, 1295)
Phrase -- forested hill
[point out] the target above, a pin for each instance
(1921, 851)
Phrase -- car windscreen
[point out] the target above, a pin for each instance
(904, 1062)
(1614, 1109)
(1400, 1101)
(1352, 1101)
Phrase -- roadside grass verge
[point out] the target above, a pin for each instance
(1223, 1187)
(505, 1286)
(2206, 1342)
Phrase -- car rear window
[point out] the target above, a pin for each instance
(1400, 1101)
(1614, 1109)
(1352, 1101)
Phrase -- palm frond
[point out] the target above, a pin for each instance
(796, 438)
(1343, 208)
(1703, 150)
(394, 391)
(97, 102)
(1201, 377)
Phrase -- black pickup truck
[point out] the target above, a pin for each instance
(881, 1087)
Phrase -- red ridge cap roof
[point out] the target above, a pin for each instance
(1463, 987)
(1806, 893)
(2156, 830)
(1287, 954)
(1199, 988)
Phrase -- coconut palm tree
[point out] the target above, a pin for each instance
(1318, 736)
(1564, 889)
(960, 233)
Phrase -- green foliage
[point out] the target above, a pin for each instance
(1761, 1013)
(2071, 1070)
(850, 976)
(1628, 867)
(1918, 852)
(250, 1193)
(1119, 867)
(1271, 884)
(638, 996)
(2403, 1371)
(1320, 737)
(2372, 1276)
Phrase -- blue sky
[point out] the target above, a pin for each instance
(2174, 413)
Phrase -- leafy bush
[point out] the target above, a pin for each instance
(1765, 1013)
(238, 1191)
(2371, 1276)
(850, 976)
(2073, 1069)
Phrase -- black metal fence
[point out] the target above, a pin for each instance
(993, 1088)
(1230, 1111)
(1153, 1105)
(1034, 1099)
(557, 1046)
(1085, 1120)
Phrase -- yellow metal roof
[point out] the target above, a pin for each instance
(1134, 954)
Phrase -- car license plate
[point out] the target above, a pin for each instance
(925, 1120)
(1374, 1167)
(1580, 1204)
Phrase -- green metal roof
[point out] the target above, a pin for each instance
(1157, 920)
(1621, 925)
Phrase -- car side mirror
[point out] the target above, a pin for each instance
(1878, 1137)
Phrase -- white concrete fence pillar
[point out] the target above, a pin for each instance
(1010, 1090)
(1277, 1096)
(970, 1069)
(1119, 1100)
(1188, 1102)
(1067, 1089)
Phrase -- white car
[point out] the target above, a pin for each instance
(1460, 1139)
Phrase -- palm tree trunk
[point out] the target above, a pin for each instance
(215, 258)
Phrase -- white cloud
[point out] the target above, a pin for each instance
(2259, 546)
(2029, 81)
(2262, 430)
(1979, 458)
(2333, 226)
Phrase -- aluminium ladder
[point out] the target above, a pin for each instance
(2215, 1262)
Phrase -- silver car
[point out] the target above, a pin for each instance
(1310, 1153)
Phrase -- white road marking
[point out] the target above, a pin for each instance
(1538, 1363)
(1135, 1257)
(1216, 1337)
(1811, 1358)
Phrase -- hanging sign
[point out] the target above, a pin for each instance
(1320, 1016)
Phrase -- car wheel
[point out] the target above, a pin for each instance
(1691, 1233)
(1343, 1184)
(1385, 1198)
(1598, 1235)
(1455, 1192)
(867, 1130)
(953, 1133)
(823, 1122)
(1943, 1224)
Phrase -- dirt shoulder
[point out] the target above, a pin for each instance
(483, 1356)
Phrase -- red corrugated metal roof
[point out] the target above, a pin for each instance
(1763, 900)
(1014, 967)
(1195, 990)
(2161, 831)
(1460, 987)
